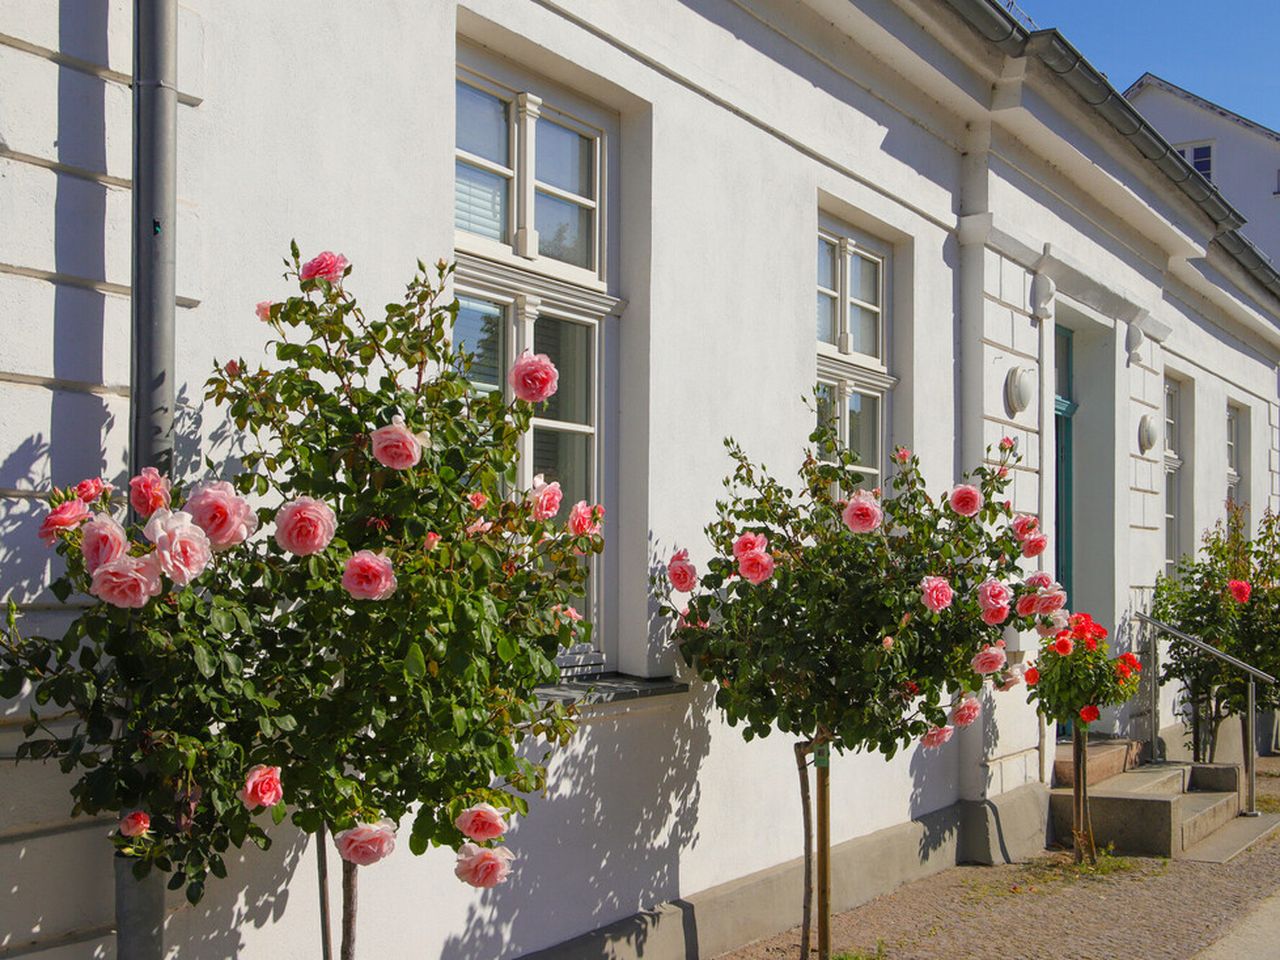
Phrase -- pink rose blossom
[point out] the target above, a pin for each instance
(149, 491)
(305, 526)
(91, 489)
(1057, 622)
(1049, 599)
(756, 566)
(368, 576)
(1027, 605)
(261, 787)
(683, 574)
(325, 266)
(966, 500)
(482, 822)
(584, 519)
(1034, 545)
(993, 593)
(887, 643)
(396, 446)
(902, 454)
(127, 581)
(1003, 472)
(936, 593)
(103, 540)
(478, 499)
(749, 543)
(483, 866)
(862, 513)
(684, 621)
(1038, 579)
(431, 542)
(533, 377)
(992, 616)
(1008, 443)
(478, 526)
(937, 736)
(1011, 679)
(182, 548)
(65, 516)
(221, 513)
(135, 824)
(545, 498)
(569, 612)
(263, 310)
(1024, 525)
(366, 843)
(966, 711)
(988, 660)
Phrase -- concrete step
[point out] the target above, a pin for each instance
(1154, 778)
(1203, 813)
(1107, 759)
(1233, 838)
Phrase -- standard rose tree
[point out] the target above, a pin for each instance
(856, 619)
(423, 595)
(157, 672)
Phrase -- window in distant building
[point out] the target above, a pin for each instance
(1200, 156)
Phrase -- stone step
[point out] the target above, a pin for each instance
(1153, 778)
(1233, 838)
(1203, 813)
(1107, 759)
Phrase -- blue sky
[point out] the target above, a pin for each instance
(1227, 51)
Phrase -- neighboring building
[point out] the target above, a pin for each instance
(666, 186)
(1238, 156)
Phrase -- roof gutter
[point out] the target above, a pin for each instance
(989, 19)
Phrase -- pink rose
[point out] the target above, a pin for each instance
(966, 711)
(993, 593)
(1049, 599)
(483, 866)
(432, 541)
(233, 369)
(103, 540)
(326, 266)
(569, 613)
(221, 513)
(887, 643)
(479, 526)
(65, 516)
(966, 500)
(1011, 679)
(149, 491)
(261, 787)
(396, 446)
(749, 543)
(1024, 525)
(683, 574)
(756, 567)
(1034, 545)
(263, 310)
(91, 489)
(992, 616)
(127, 581)
(135, 824)
(305, 526)
(902, 454)
(545, 498)
(1008, 443)
(684, 621)
(1027, 605)
(584, 519)
(937, 736)
(181, 547)
(533, 377)
(1057, 622)
(862, 513)
(1038, 579)
(366, 843)
(481, 822)
(988, 660)
(368, 576)
(936, 593)
(478, 499)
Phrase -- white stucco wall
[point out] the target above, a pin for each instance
(737, 126)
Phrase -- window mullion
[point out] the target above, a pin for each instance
(843, 339)
(528, 109)
(527, 307)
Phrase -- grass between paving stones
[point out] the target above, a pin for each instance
(1044, 874)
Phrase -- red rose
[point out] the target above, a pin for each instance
(1032, 676)
(1088, 714)
(1240, 589)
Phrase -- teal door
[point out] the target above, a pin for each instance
(1064, 409)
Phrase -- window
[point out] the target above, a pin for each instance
(1238, 457)
(1172, 475)
(529, 173)
(852, 335)
(1200, 156)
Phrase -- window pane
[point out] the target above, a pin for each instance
(864, 279)
(564, 230)
(1062, 363)
(480, 202)
(564, 158)
(864, 330)
(565, 458)
(826, 318)
(864, 428)
(482, 126)
(1171, 535)
(826, 264)
(569, 347)
(479, 331)
(826, 416)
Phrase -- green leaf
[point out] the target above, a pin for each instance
(205, 662)
(222, 620)
(278, 812)
(415, 664)
(506, 649)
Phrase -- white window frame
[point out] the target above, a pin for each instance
(1187, 152)
(839, 367)
(530, 98)
(1173, 463)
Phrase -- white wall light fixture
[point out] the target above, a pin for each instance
(1148, 433)
(1019, 388)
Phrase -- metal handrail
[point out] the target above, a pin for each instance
(1250, 748)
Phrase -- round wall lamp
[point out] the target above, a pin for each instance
(1148, 433)
(1019, 388)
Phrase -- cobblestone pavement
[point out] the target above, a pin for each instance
(1133, 908)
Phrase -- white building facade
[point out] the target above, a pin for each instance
(656, 192)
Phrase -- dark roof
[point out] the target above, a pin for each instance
(1150, 79)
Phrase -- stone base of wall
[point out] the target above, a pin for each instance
(1004, 829)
